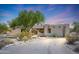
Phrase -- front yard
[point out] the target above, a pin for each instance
(39, 45)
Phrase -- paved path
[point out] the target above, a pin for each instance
(39, 46)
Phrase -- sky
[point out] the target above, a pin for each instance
(53, 13)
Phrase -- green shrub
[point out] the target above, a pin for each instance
(8, 41)
(72, 39)
(5, 42)
(21, 35)
(3, 28)
(24, 36)
(2, 44)
(77, 49)
(54, 35)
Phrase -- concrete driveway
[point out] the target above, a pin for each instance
(42, 45)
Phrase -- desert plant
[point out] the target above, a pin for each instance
(71, 39)
(54, 35)
(76, 49)
(26, 20)
(3, 28)
(24, 36)
(5, 42)
(76, 27)
(2, 44)
(21, 35)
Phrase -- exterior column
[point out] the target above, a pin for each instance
(45, 30)
(67, 30)
(38, 33)
(51, 30)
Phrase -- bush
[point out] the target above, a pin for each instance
(8, 41)
(2, 44)
(3, 28)
(24, 36)
(21, 35)
(5, 42)
(77, 49)
(54, 35)
(72, 39)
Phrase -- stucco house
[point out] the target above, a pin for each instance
(59, 30)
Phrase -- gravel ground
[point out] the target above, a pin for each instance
(42, 45)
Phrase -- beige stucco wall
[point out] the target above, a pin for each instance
(56, 30)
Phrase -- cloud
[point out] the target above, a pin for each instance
(63, 17)
(61, 21)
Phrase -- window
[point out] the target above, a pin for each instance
(41, 30)
(37, 23)
(49, 30)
